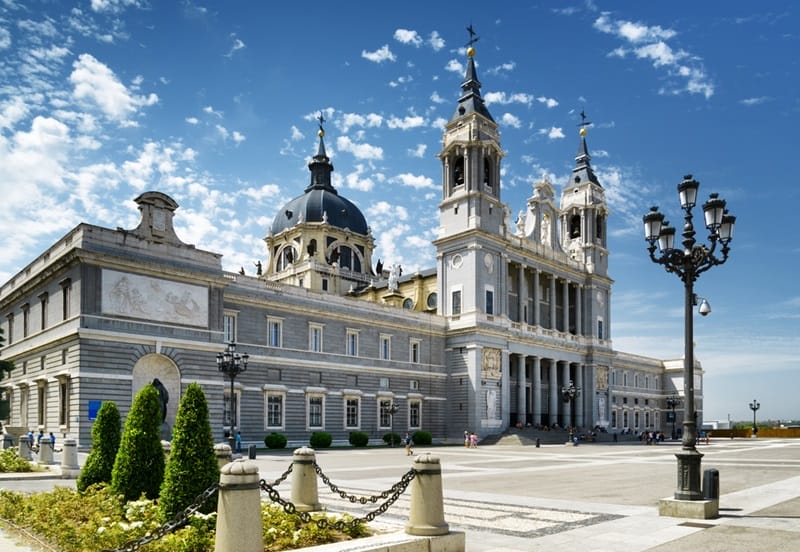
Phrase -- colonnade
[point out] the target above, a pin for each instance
(539, 385)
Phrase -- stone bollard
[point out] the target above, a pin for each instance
(239, 509)
(25, 450)
(426, 516)
(69, 460)
(45, 452)
(223, 452)
(304, 480)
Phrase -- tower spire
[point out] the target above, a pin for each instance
(321, 166)
(583, 168)
(471, 100)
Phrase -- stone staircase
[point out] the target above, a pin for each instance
(528, 437)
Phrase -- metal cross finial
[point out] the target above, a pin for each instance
(584, 122)
(321, 120)
(472, 37)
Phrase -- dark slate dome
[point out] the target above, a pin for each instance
(321, 201)
(317, 203)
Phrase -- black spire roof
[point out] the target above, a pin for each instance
(583, 170)
(471, 100)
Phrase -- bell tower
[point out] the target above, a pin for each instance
(584, 213)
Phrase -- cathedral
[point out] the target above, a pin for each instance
(509, 327)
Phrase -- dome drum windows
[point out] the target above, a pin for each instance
(285, 257)
(345, 257)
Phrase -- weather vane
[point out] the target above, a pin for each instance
(321, 120)
(472, 37)
(584, 122)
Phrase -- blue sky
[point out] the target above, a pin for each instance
(213, 104)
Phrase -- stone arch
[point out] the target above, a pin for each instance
(161, 367)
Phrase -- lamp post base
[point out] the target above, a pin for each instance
(689, 475)
(693, 509)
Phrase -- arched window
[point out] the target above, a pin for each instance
(458, 171)
(575, 226)
(487, 171)
(601, 222)
(286, 257)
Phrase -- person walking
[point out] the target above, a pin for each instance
(238, 441)
(409, 442)
(467, 439)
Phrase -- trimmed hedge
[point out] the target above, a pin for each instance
(422, 438)
(359, 439)
(320, 440)
(106, 435)
(392, 439)
(275, 441)
(192, 465)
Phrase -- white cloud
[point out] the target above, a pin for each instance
(503, 68)
(549, 102)
(237, 45)
(419, 151)
(380, 55)
(454, 66)
(359, 151)
(650, 43)
(348, 120)
(238, 137)
(405, 36)
(267, 191)
(357, 181)
(211, 111)
(755, 101)
(12, 111)
(96, 84)
(510, 120)
(503, 99)
(406, 123)
(113, 6)
(418, 182)
(436, 98)
(552, 133)
(5, 39)
(436, 41)
(192, 120)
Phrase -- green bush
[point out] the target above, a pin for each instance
(192, 465)
(11, 462)
(320, 440)
(422, 438)
(359, 439)
(139, 465)
(392, 439)
(106, 435)
(275, 441)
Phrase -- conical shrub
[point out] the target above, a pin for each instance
(106, 435)
(139, 465)
(192, 465)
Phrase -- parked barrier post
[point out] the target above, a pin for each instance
(25, 450)
(426, 517)
(304, 480)
(223, 452)
(45, 452)
(239, 508)
(69, 460)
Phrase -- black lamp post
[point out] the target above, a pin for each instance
(232, 364)
(568, 395)
(391, 410)
(688, 262)
(672, 402)
(755, 406)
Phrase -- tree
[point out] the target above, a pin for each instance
(192, 465)
(139, 465)
(106, 435)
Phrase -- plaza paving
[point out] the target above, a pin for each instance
(592, 497)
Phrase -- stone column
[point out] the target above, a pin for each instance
(537, 321)
(521, 402)
(69, 460)
(304, 480)
(553, 392)
(426, 515)
(579, 421)
(553, 324)
(578, 309)
(536, 391)
(523, 295)
(239, 508)
(566, 406)
(566, 306)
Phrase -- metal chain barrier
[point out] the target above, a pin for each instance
(355, 498)
(391, 497)
(180, 519)
(283, 476)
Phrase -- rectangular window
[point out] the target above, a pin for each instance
(275, 332)
(315, 338)
(26, 319)
(324, 284)
(384, 383)
(66, 291)
(274, 411)
(414, 351)
(600, 329)
(315, 405)
(229, 327)
(614, 418)
(413, 385)
(489, 301)
(10, 332)
(386, 347)
(414, 414)
(456, 303)
(385, 421)
(636, 419)
(63, 402)
(351, 342)
(44, 301)
(352, 411)
(41, 414)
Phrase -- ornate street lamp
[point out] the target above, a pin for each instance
(568, 395)
(672, 402)
(755, 406)
(391, 410)
(688, 262)
(232, 364)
